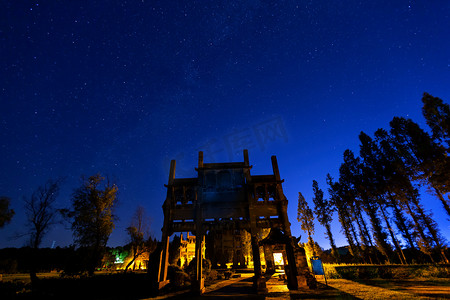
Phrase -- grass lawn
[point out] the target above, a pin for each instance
(394, 288)
(137, 286)
(25, 277)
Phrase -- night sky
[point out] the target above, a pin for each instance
(123, 87)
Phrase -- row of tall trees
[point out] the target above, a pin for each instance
(377, 197)
(91, 217)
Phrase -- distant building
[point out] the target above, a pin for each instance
(187, 249)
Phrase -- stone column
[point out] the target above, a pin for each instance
(268, 255)
(167, 207)
(259, 282)
(199, 284)
(292, 274)
(163, 262)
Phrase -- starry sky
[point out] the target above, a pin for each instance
(123, 87)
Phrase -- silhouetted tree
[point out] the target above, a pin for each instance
(437, 114)
(41, 215)
(139, 232)
(324, 213)
(306, 219)
(426, 162)
(312, 249)
(350, 177)
(92, 215)
(335, 193)
(6, 213)
(396, 183)
(374, 168)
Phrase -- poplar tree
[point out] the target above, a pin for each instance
(396, 182)
(349, 179)
(423, 158)
(306, 218)
(324, 213)
(335, 193)
(437, 115)
(375, 168)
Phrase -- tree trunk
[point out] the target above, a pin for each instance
(347, 234)
(377, 230)
(364, 241)
(444, 201)
(419, 229)
(401, 225)
(432, 230)
(135, 255)
(354, 236)
(333, 245)
(398, 249)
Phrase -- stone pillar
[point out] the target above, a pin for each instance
(259, 282)
(291, 268)
(268, 255)
(199, 284)
(163, 262)
(167, 206)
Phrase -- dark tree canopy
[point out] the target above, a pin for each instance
(6, 213)
(437, 114)
(92, 216)
(322, 207)
(41, 211)
(306, 218)
(92, 204)
(139, 234)
(41, 215)
(305, 215)
(324, 211)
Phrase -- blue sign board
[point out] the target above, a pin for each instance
(317, 267)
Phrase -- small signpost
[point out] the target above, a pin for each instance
(317, 267)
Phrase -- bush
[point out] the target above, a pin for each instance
(227, 274)
(9, 290)
(8, 266)
(439, 271)
(206, 267)
(177, 276)
(386, 271)
(213, 275)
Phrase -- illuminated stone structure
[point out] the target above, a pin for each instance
(229, 247)
(227, 196)
(187, 249)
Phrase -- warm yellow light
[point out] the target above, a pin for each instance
(278, 258)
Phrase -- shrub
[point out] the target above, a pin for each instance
(177, 276)
(206, 267)
(227, 274)
(9, 290)
(213, 275)
(436, 271)
(366, 272)
(8, 266)
(386, 271)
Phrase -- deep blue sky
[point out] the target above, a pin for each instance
(122, 87)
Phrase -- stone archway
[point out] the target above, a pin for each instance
(226, 195)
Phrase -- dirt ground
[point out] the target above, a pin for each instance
(241, 288)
